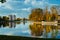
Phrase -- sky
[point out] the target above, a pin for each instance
(22, 8)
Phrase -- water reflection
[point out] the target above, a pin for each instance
(9, 24)
(36, 30)
(46, 31)
(28, 29)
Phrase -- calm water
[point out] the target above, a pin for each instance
(29, 29)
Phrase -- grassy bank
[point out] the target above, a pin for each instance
(5, 37)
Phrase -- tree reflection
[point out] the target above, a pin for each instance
(54, 31)
(43, 30)
(36, 30)
(9, 24)
(51, 29)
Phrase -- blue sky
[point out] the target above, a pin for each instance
(22, 8)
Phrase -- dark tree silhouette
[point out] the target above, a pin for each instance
(2, 1)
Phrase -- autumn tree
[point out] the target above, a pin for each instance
(47, 15)
(18, 19)
(54, 13)
(36, 14)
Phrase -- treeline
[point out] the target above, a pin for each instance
(39, 14)
(6, 18)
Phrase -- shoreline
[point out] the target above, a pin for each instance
(47, 23)
(6, 37)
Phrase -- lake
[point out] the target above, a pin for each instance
(29, 29)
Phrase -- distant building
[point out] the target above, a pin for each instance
(12, 17)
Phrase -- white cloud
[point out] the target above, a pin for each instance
(37, 3)
(0, 4)
(41, 4)
(6, 6)
(26, 9)
(34, 2)
(26, 1)
(13, 13)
